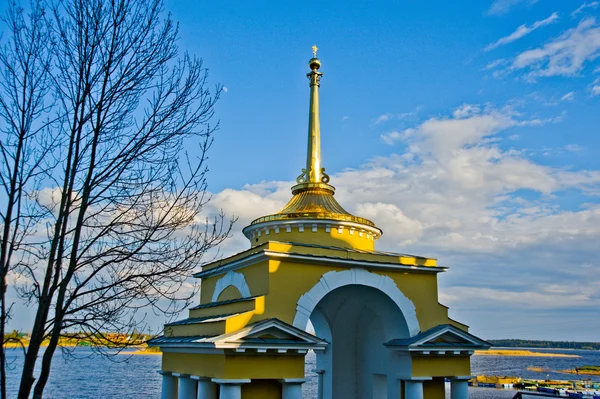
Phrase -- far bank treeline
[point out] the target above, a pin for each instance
(525, 343)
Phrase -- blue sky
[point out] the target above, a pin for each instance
(468, 131)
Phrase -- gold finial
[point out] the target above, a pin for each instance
(314, 173)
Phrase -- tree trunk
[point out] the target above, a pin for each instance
(37, 337)
(2, 333)
(46, 363)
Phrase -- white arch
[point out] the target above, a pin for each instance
(231, 278)
(355, 276)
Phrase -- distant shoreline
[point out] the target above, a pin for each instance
(524, 353)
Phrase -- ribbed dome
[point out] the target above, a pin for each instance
(314, 203)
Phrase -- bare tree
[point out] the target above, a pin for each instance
(118, 224)
(25, 142)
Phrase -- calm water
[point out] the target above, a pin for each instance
(93, 376)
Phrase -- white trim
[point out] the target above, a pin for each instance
(332, 280)
(376, 232)
(456, 331)
(265, 255)
(355, 263)
(231, 278)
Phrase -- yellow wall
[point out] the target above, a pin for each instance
(236, 307)
(235, 366)
(434, 389)
(229, 293)
(262, 389)
(440, 366)
(320, 237)
(288, 281)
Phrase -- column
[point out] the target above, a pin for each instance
(230, 389)
(291, 388)
(459, 387)
(206, 388)
(187, 386)
(413, 387)
(320, 383)
(169, 385)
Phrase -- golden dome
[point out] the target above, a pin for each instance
(313, 201)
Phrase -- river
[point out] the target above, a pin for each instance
(86, 375)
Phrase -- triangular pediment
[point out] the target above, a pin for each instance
(269, 334)
(444, 337)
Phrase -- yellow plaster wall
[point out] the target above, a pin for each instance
(262, 389)
(229, 293)
(434, 389)
(235, 307)
(194, 364)
(234, 366)
(320, 237)
(190, 330)
(440, 366)
(422, 290)
(264, 366)
(289, 281)
(207, 288)
(257, 278)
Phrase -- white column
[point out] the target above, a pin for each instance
(206, 388)
(230, 389)
(413, 387)
(187, 386)
(320, 383)
(291, 388)
(169, 385)
(459, 387)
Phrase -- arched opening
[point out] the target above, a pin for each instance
(357, 320)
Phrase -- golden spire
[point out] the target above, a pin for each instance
(314, 173)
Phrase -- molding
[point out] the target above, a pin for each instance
(249, 231)
(231, 278)
(222, 381)
(415, 379)
(332, 280)
(292, 380)
(348, 263)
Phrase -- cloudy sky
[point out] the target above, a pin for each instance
(468, 131)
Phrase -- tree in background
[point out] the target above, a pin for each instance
(113, 227)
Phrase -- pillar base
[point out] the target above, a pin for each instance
(291, 388)
(230, 389)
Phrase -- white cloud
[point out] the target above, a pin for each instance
(570, 96)
(392, 137)
(565, 55)
(459, 192)
(595, 87)
(573, 148)
(522, 31)
(401, 116)
(382, 118)
(500, 7)
(593, 4)
(494, 64)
